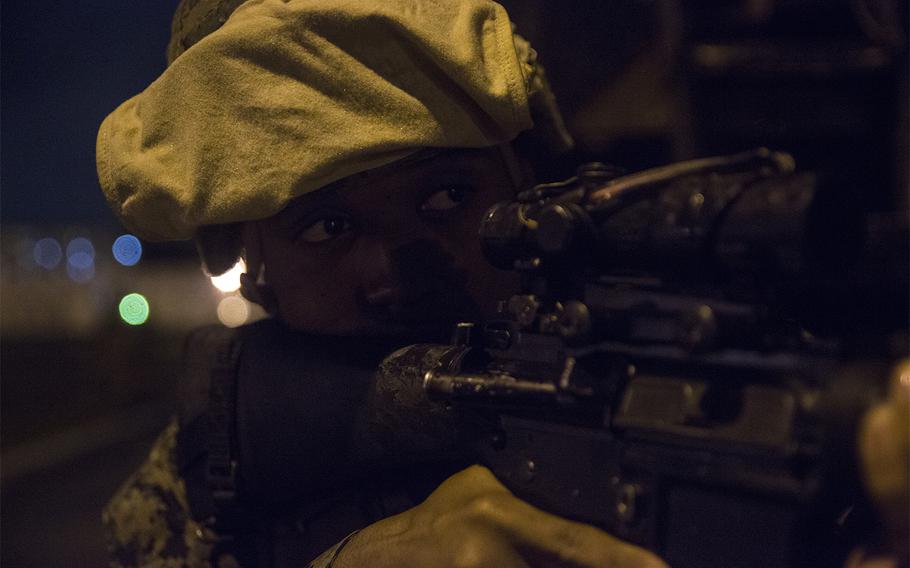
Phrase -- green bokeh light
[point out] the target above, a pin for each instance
(134, 309)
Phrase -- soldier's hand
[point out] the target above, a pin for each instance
(472, 520)
(884, 447)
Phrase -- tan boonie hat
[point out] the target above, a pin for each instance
(288, 96)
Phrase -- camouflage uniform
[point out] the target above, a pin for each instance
(148, 521)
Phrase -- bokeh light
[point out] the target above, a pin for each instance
(230, 280)
(47, 253)
(80, 253)
(80, 267)
(80, 260)
(127, 250)
(233, 311)
(134, 309)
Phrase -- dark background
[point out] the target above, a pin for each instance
(641, 83)
(79, 410)
(65, 66)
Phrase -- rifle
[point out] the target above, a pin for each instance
(688, 359)
(685, 367)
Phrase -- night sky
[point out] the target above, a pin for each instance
(65, 66)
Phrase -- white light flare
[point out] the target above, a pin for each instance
(233, 311)
(230, 280)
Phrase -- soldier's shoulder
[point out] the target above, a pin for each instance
(148, 521)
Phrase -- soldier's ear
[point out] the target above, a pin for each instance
(253, 285)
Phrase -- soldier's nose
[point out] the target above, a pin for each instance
(379, 281)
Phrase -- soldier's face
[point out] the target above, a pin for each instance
(392, 251)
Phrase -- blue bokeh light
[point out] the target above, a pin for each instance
(127, 250)
(80, 253)
(47, 253)
(80, 267)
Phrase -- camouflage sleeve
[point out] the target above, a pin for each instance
(148, 522)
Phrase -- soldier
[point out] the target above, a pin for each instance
(329, 143)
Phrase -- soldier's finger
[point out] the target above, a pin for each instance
(885, 456)
(467, 485)
(546, 540)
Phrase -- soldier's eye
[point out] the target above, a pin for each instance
(324, 229)
(446, 199)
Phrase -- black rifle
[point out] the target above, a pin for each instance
(685, 367)
(689, 357)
